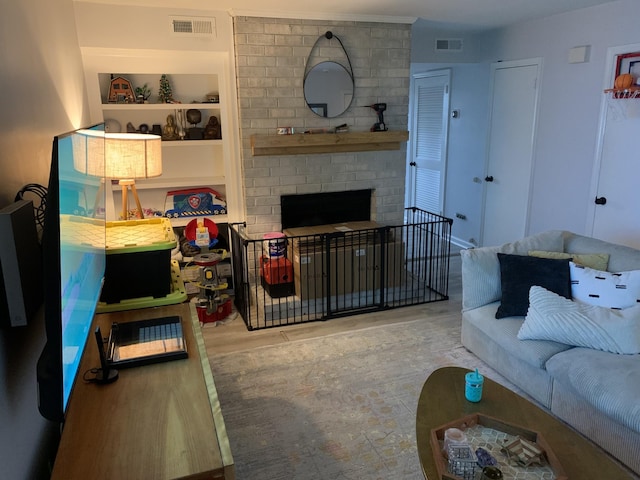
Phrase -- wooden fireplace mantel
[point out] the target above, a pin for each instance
(305, 143)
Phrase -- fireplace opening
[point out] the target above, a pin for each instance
(308, 210)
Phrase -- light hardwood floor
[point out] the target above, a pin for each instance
(233, 335)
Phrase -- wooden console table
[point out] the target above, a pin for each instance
(159, 421)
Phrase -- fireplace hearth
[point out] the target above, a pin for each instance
(311, 209)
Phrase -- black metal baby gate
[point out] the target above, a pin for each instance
(326, 275)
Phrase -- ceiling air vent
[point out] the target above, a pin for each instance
(200, 26)
(448, 44)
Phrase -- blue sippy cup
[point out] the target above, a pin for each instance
(473, 386)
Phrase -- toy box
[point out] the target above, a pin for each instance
(138, 259)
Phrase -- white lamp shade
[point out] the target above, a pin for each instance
(132, 155)
(88, 152)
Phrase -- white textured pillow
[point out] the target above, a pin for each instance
(605, 289)
(555, 318)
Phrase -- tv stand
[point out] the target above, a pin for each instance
(157, 421)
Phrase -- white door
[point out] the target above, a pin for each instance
(510, 151)
(617, 196)
(428, 146)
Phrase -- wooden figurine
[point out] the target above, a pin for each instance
(212, 131)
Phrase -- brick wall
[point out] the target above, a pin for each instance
(270, 56)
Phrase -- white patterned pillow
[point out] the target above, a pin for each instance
(558, 319)
(605, 289)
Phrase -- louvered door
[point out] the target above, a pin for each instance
(429, 128)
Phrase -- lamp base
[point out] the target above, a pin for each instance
(126, 184)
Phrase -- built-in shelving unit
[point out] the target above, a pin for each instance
(305, 144)
(186, 163)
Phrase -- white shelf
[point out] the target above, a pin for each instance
(160, 106)
(182, 221)
(190, 143)
(179, 183)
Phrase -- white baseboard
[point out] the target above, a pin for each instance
(463, 244)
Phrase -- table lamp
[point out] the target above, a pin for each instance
(128, 156)
(88, 159)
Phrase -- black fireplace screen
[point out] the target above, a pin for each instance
(308, 210)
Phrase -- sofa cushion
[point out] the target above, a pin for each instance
(599, 261)
(518, 273)
(505, 333)
(552, 317)
(481, 269)
(605, 289)
(609, 382)
(620, 257)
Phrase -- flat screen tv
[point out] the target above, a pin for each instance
(73, 251)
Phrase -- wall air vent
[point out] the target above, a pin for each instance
(198, 26)
(448, 44)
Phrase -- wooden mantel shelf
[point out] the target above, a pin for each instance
(305, 143)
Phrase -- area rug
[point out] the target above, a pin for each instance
(341, 406)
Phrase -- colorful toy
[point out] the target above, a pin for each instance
(202, 233)
(194, 202)
(211, 305)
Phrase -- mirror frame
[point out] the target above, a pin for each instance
(321, 108)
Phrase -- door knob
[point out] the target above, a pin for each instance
(413, 164)
(488, 178)
(601, 200)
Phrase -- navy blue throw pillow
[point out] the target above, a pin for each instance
(518, 273)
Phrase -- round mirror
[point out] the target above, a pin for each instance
(328, 89)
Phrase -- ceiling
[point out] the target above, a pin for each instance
(463, 14)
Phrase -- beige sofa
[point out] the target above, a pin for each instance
(596, 392)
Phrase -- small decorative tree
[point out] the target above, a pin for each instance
(165, 93)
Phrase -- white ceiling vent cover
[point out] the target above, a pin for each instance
(448, 44)
(193, 26)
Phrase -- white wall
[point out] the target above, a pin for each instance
(118, 26)
(424, 33)
(43, 95)
(467, 145)
(570, 106)
(466, 158)
(42, 88)
(564, 149)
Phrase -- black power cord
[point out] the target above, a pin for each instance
(40, 205)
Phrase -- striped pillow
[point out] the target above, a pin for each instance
(555, 318)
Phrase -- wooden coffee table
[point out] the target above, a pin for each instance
(442, 400)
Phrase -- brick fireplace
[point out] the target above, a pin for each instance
(270, 56)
